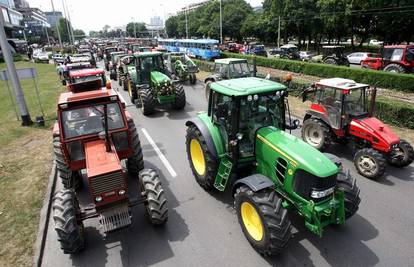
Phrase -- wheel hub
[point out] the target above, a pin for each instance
(252, 221)
(314, 136)
(367, 164)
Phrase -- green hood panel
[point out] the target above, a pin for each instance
(133, 73)
(298, 153)
(158, 77)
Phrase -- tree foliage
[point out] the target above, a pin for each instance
(304, 20)
(139, 29)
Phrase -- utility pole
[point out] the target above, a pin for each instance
(278, 34)
(57, 24)
(67, 21)
(47, 36)
(186, 23)
(70, 23)
(221, 25)
(12, 75)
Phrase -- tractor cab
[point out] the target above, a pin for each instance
(86, 75)
(230, 68)
(240, 107)
(339, 100)
(108, 51)
(147, 64)
(334, 54)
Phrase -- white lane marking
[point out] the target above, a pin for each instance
(121, 97)
(159, 153)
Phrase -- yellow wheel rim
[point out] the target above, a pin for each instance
(129, 88)
(252, 221)
(197, 157)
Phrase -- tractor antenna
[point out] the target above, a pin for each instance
(107, 144)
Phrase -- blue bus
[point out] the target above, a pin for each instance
(198, 48)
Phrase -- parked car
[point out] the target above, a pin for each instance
(41, 57)
(375, 42)
(254, 49)
(58, 58)
(358, 57)
(306, 55)
(373, 63)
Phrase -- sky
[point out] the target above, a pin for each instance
(93, 14)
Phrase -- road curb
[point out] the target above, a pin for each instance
(44, 218)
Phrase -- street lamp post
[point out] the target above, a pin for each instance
(57, 25)
(221, 25)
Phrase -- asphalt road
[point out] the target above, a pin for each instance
(203, 230)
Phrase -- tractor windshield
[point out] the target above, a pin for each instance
(149, 64)
(259, 111)
(239, 70)
(90, 120)
(355, 102)
(90, 78)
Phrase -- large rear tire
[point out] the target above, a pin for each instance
(180, 100)
(70, 179)
(135, 163)
(156, 203)
(263, 219)
(401, 156)
(396, 68)
(147, 101)
(68, 226)
(330, 61)
(351, 192)
(133, 95)
(202, 163)
(316, 133)
(370, 163)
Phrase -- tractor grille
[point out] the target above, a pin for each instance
(280, 169)
(107, 183)
(305, 182)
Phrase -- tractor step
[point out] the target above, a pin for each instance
(115, 218)
(223, 173)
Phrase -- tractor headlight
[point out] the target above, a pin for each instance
(249, 98)
(98, 199)
(121, 192)
(323, 193)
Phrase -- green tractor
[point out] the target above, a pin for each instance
(182, 67)
(241, 141)
(149, 83)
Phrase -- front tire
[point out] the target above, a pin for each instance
(156, 203)
(202, 163)
(70, 179)
(68, 226)
(147, 101)
(330, 61)
(401, 156)
(263, 219)
(370, 163)
(135, 163)
(394, 68)
(316, 133)
(351, 193)
(180, 100)
(193, 78)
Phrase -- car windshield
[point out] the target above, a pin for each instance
(239, 70)
(90, 78)
(354, 101)
(89, 120)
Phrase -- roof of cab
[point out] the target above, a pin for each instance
(85, 72)
(69, 97)
(246, 86)
(229, 60)
(148, 54)
(341, 83)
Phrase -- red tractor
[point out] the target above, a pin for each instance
(394, 58)
(94, 133)
(339, 113)
(80, 78)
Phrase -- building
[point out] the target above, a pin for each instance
(53, 17)
(21, 4)
(192, 7)
(12, 17)
(156, 21)
(33, 16)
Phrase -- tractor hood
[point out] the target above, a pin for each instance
(158, 78)
(272, 142)
(376, 131)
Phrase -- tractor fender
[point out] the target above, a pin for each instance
(313, 114)
(211, 78)
(202, 127)
(255, 182)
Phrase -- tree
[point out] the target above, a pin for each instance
(138, 31)
(64, 30)
(78, 33)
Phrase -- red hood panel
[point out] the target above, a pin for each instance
(377, 128)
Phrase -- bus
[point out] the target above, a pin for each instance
(198, 48)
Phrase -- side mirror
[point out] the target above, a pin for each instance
(295, 125)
